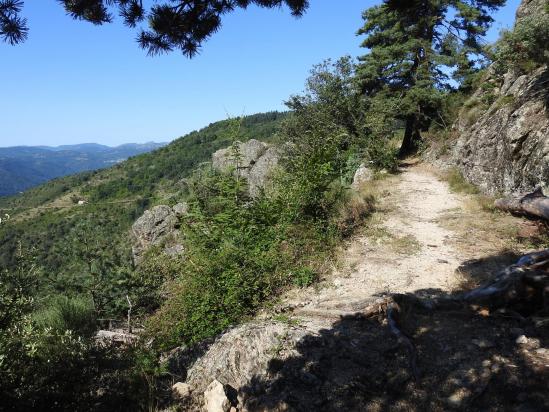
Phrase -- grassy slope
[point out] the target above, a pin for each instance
(66, 238)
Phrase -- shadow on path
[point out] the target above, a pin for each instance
(469, 359)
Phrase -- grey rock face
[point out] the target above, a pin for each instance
(180, 209)
(154, 227)
(237, 355)
(505, 147)
(255, 162)
(249, 152)
(259, 173)
(529, 7)
(362, 175)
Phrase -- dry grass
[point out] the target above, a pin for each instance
(353, 213)
(406, 245)
(483, 228)
(458, 184)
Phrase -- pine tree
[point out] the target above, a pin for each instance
(419, 49)
(172, 24)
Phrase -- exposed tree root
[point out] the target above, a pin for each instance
(521, 288)
(392, 316)
(532, 204)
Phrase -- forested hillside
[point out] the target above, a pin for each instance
(68, 239)
(22, 167)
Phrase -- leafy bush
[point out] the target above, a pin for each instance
(242, 251)
(231, 261)
(526, 46)
(304, 277)
(64, 313)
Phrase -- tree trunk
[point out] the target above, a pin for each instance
(533, 204)
(412, 137)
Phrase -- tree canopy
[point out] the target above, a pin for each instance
(171, 24)
(417, 50)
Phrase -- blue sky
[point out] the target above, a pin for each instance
(73, 82)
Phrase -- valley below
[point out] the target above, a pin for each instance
(23, 167)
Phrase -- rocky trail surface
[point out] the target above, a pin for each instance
(319, 352)
(407, 250)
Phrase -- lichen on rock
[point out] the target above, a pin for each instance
(157, 226)
(252, 160)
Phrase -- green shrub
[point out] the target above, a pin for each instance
(526, 46)
(232, 262)
(240, 252)
(64, 313)
(303, 277)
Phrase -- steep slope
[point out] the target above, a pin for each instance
(70, 241)
(22, 167)
(503, 128)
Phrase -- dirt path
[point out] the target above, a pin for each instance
(404, 249)
(316, 352)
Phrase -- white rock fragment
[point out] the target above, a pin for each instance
(181, 390)
(215, 398)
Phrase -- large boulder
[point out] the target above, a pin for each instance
(249, 153)
(157, 226)
(503, 144)
(237, 355)
(255, 162)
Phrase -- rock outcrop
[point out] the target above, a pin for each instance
(181, 390)
(157, 226)
(503, 143)
(255, 162)
(362, 176)
(235, 358)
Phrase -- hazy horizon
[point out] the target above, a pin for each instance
(87, 143)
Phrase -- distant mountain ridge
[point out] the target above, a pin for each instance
(23, 167)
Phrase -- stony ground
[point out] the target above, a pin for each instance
(317, 353)
(405, 247)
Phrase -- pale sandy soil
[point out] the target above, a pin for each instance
(419, 241)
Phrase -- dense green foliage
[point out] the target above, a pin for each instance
(85, 250)
(526, 46)
(415, 49)
(242, 251)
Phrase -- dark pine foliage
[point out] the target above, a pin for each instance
(416, 48)
(13, 27)
(172, 25)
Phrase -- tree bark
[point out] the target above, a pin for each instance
(533, 204)
(412, 137)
